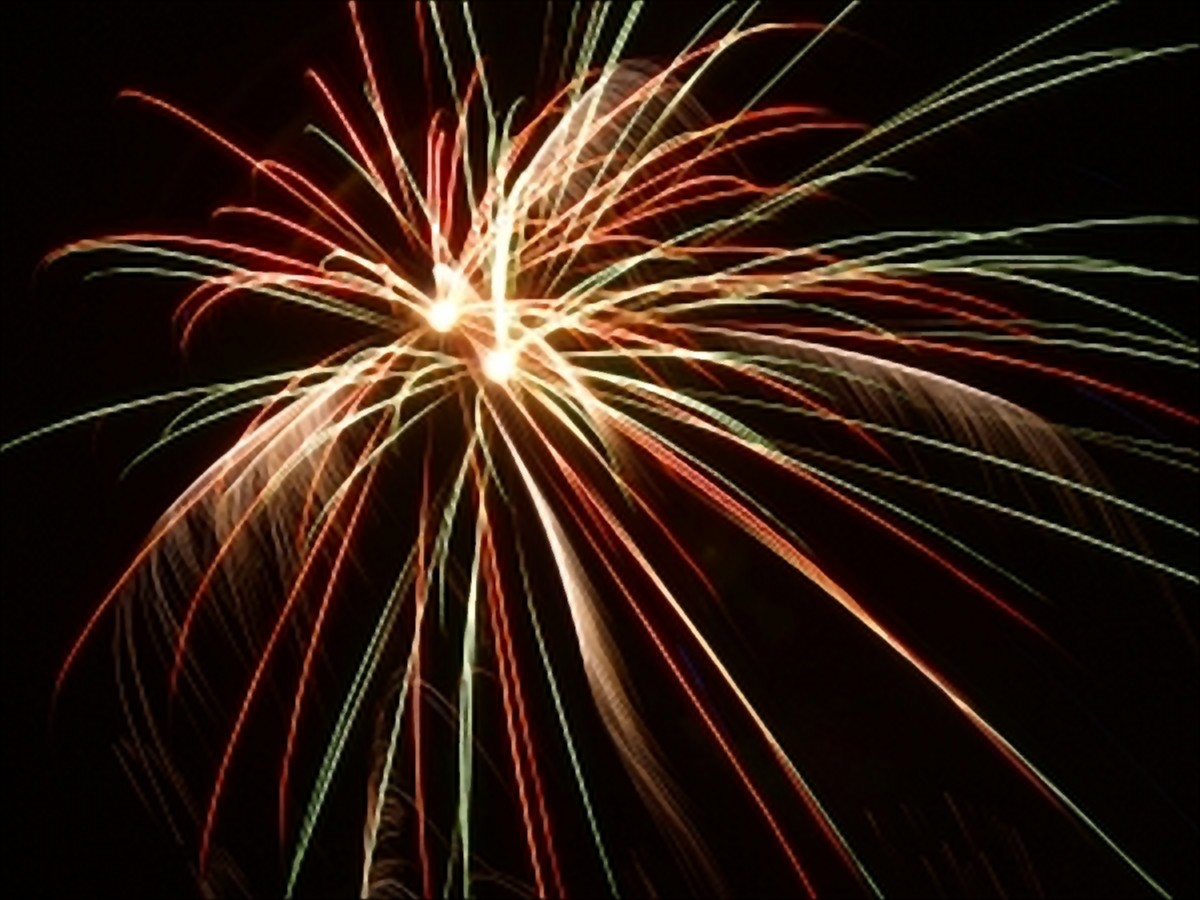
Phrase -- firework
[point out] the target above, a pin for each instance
(570, 323)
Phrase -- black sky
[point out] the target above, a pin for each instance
(1112, 716)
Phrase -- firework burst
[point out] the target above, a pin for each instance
(571, 323)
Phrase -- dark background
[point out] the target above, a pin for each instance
(1111, 718)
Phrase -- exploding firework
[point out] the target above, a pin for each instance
(560, 335)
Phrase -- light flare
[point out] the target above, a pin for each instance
(500, 364)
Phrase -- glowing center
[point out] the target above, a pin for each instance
(499, 365)
(442, 315)
(452, 291)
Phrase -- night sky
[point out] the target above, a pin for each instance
(1109, 713)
